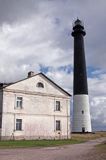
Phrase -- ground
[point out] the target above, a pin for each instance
(82, 151)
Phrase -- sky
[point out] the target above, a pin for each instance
(35, 35)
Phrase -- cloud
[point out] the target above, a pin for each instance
(26, 45)
(36, 35)
(98, 109)
(61, 76)
(97, 85)
(14, 10)
(98, 101)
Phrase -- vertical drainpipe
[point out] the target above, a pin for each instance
(1, 116)
(54, 116)
(67, 117)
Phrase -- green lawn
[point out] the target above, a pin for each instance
(36, 143)
(76, 138)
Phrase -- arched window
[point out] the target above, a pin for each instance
(40, 85)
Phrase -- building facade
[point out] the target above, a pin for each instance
(34, 108)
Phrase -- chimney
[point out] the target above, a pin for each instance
(30, 74)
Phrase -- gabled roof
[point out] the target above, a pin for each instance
(4, 85)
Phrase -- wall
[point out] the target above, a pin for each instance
(38, 113)
(29, 85)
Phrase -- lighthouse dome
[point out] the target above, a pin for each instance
(78, 24)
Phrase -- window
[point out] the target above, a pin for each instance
(19, 102)
(40, 85)
(82, 112)
(18, 124)
(57, 105)
(58, 126)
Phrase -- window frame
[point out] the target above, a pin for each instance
(40, 85)
(58, 105)
(18, 124)
(58, 125)
(19, 102)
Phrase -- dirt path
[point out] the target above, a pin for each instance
(69, 152)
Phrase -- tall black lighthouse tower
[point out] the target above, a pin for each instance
(81, 113)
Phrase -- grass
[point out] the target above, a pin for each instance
(89, 136)
(76, 138)
(100, 151)
(36, 143)
(101, 147)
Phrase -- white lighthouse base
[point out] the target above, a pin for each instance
(81, 114)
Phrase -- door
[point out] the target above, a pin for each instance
(83, 129)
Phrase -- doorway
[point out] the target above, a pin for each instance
(83, 129)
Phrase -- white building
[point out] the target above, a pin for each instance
(34, 108)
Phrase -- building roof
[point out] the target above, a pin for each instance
(4, 85)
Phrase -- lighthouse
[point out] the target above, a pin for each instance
(81, 109)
